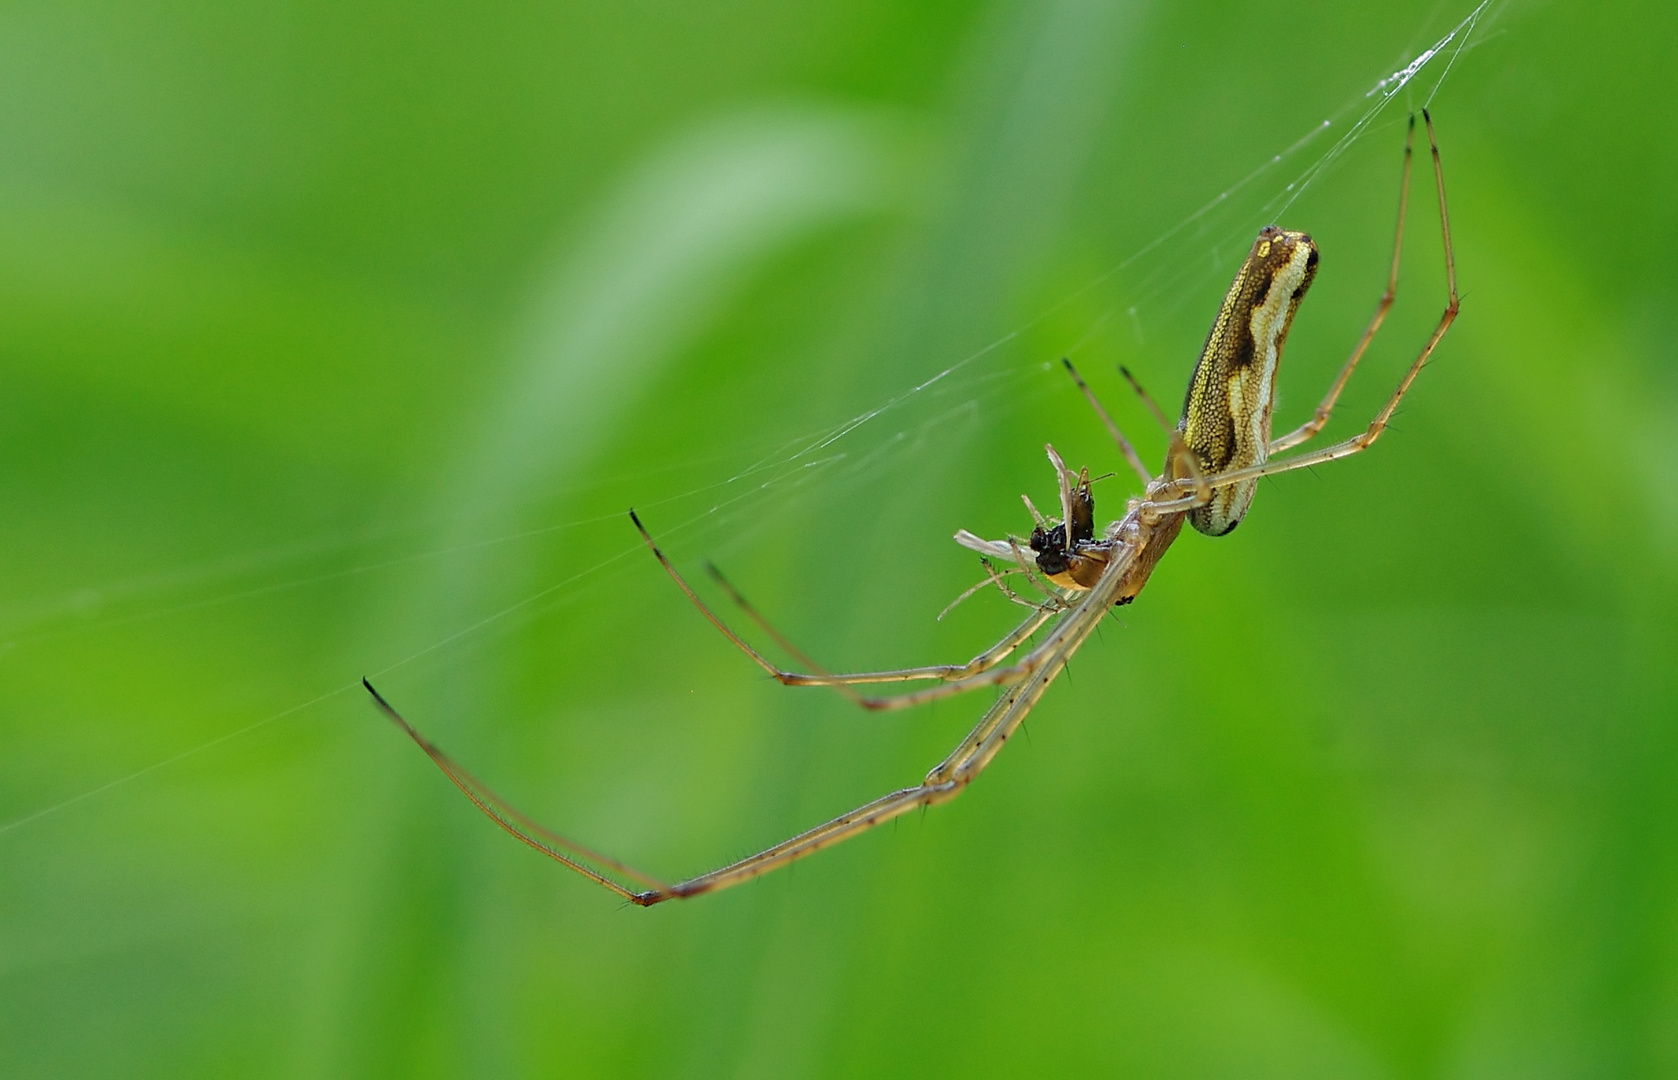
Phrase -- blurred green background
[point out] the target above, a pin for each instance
(335, 339)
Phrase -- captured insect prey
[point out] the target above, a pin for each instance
(1219, 449)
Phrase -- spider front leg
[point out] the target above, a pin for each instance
(951, 776)
(957, 678)
(981, 671)
(561, 849)
(970, 757)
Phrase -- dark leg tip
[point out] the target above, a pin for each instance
(645, 535)
(388, 709)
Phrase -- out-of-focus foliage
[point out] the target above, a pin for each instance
(336, 338)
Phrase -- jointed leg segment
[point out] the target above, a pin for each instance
(559, 848)
(1125, 448)
(1326, 408)
(944, 782)
(957, 678)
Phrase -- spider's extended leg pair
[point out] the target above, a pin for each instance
(1125, 448)
(954, 773)
(1181, 461)
(950, 777)
(982, 670)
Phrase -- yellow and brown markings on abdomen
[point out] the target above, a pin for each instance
(1226, 414)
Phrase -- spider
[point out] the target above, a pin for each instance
(1220, 449)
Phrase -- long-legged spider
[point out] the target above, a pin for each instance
(1219, 451)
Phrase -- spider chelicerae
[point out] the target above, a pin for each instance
(1220, 448)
